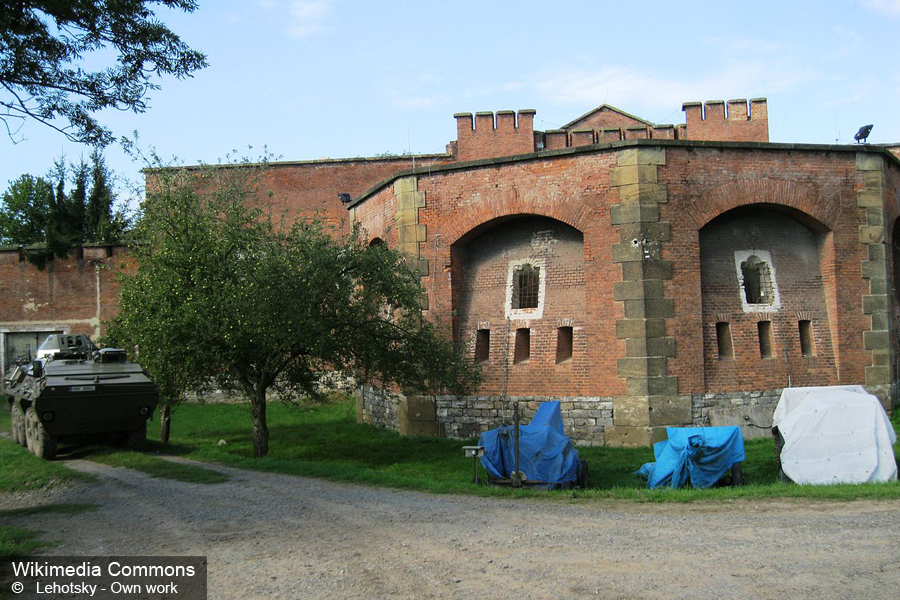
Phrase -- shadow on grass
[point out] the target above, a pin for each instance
(58, 509)
(87, 451)
(150, 460)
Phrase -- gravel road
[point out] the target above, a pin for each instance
(275, 536)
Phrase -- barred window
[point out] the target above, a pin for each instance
(526, 284)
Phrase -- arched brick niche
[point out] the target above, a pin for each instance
(767, 300)
(803, 198)
(895, 298)
(519, 303)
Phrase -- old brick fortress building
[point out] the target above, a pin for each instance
(645, 275)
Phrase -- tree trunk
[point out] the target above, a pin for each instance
(260, 429)
(165, 421)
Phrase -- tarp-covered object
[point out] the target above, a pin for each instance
(837, 434)
(545, 453)
(695, 455)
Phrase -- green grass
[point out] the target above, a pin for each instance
(20, 471)
(16, 542)
(71, 508)
(324, 441)
(154, 465)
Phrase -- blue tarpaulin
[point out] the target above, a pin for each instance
(695, 455)
(545, 453)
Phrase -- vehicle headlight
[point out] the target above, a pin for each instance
(48, 416)
(144, 411)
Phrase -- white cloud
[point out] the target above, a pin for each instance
(885, 7)
(300, 18)
(307, 17)
(626, 87)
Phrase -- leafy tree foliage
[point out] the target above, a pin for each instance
(224, 292)
(39, 214)
(26, 205)
(43, 44)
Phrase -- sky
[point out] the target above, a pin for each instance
(311, 79)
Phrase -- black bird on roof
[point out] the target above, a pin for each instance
(862, 134)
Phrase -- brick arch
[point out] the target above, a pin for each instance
(467, 221)
(893, 244)
(802, 197)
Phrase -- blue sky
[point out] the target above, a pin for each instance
(339, 78)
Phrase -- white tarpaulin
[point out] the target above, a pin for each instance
(838, 434)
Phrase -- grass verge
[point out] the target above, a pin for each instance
(154, 465)
(16, 542)
(20, 471)
(325, 441)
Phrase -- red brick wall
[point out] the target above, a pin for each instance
(710, 122)
(702, 184)
(797, 276)
(559, 251)
(303, 189)
(492, 135)
(604, 118)
(461, 204)
(892, 222)
(64, 296)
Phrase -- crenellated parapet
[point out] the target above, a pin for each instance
(555, 139)
(506, 133)
(739, 123)
(487, 135)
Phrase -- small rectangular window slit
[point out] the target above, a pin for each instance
(764, 328)
(482, 345)
(807, 345)
(563, 344)
(723, 340)
(523, 345)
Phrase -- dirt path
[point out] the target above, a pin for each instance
(274, 536)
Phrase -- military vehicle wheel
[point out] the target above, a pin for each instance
(29, 436)
(18, 425)
(42, 444)
(134, 440)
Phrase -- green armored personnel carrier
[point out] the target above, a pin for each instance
(73, 390)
